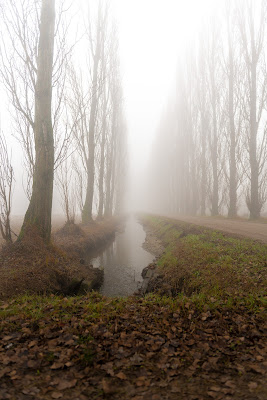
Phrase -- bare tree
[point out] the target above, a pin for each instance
(65, 184)
(252, 27)
(6, 188)
(39, 210)
(102, 157)
(214, 97)
(203, 122)
(19, 52)
(96, 44)
(232, 107)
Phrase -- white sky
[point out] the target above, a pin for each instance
(153, 34)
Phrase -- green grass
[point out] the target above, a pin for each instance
(199, 261)
(93, 309)
(204, 268)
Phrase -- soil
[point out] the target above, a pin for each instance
(240, 227)
(152, 244)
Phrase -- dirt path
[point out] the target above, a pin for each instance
(253, 230)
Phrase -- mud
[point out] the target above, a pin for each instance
(150, 274)
(152, 244)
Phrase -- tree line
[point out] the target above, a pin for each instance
(211, 149)
(67, 111)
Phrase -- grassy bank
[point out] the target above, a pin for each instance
(30, 266)
(206, 263)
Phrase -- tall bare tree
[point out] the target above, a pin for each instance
(96, 45)
(40, 207)
(214, 96)
(19, 37)
(252, 26)
(6, 188)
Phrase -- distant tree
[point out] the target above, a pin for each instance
(65, 184)
(6, 188)
(202, 106)
(252, 26)
(231, 71)
(96, 106)
(96, 45)
(214, 91)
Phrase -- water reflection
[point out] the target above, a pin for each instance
(123, 261)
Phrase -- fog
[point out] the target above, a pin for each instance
(178, 148)
(133, 199)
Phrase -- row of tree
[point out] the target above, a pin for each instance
(68, 115)
(211, 148)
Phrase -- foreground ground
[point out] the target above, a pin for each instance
(150, 348)
(201, 334)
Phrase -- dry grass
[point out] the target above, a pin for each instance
(80, 239)
(30, 266)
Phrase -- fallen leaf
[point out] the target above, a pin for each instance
(215, 388)
(57, 366)
(66, 384)
(107, 386)
(56, 395)
(121, 375)
(252, 385)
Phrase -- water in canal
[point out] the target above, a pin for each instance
(123, 260)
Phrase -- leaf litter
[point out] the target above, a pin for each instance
(93, 347)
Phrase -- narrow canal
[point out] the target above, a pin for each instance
(123, 260)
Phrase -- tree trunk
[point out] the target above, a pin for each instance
(102, 161)
(40, 207)
(88, 205)
(214, 160)
(108, 206)
(203, 189)
(233, 182)
(254, 207)
(214, 143)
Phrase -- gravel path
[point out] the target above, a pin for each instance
(253, 230)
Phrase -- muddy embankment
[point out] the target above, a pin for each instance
(30, 266)
(80, 240)
(154, 246)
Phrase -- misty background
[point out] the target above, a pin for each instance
(157, 42)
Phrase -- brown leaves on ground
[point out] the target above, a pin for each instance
(96, 348)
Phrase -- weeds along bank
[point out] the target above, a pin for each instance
(31, 266)
(203, 262)
(78, 240)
